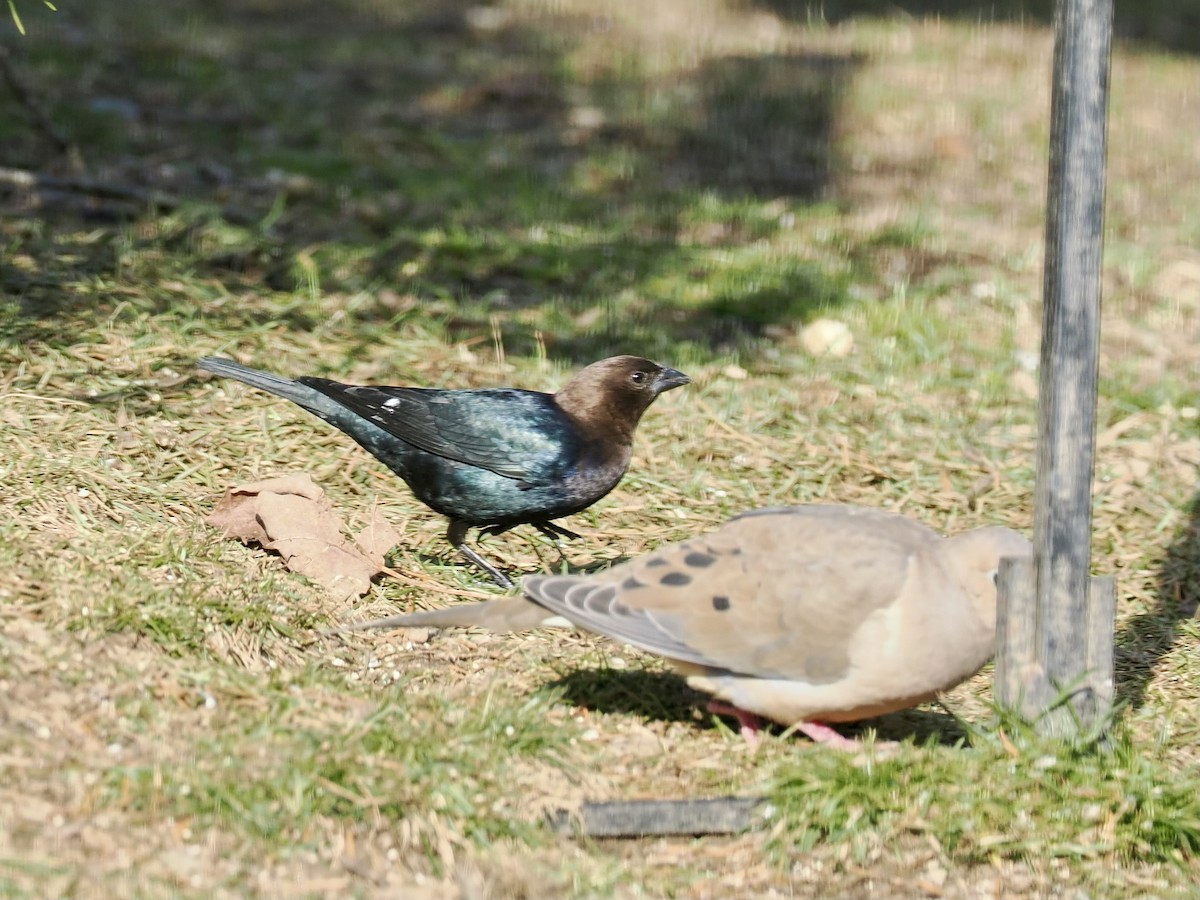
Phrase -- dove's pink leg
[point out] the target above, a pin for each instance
(823, 734)
(749, 725)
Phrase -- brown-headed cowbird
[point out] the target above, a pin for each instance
(490, 458)
(804, 614)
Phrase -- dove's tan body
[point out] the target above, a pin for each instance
(811, 613)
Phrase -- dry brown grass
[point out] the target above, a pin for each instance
(170, 725)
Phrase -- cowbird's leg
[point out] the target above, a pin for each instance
(456, 534)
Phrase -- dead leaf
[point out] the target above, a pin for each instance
(292, 516)
(377, 538)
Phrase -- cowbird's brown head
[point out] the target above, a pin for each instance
(610, 396)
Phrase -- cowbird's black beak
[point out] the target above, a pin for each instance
(670, 378)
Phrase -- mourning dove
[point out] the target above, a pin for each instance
(804, 615)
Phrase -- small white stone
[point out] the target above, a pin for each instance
(827, 337)
(487, 18)
(588, 118)
(1027, 360)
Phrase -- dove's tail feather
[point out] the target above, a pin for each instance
(508, 614)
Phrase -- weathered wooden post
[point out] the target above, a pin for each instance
(1055, 634)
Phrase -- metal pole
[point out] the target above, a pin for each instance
(1063, 621)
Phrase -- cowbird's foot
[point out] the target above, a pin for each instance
(552, 531)
(492, 530)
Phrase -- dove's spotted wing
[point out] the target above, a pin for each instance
(772, 594)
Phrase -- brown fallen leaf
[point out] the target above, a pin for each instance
(292, 516)
(377, 538)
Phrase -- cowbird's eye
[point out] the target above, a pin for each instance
(638, 377)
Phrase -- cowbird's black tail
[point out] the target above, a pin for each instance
(387, 448)
(312, 400)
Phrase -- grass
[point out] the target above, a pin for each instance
(437, 195)
(1027, 799)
